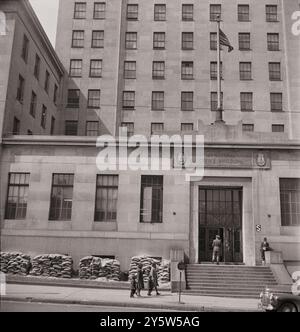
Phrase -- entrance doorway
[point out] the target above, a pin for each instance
(220, 213)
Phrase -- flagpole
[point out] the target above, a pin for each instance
(219, 116)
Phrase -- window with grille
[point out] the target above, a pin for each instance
(96, 68)
(271, 13)
(214, 70)
(187, 12)
(99, 10)
(130, 128)
(158, 70)
(187, 127)
(214, 101)
(44, 117)
(92, 128)
(151, 199)
(106, 198)
(247, 101)
(187, 70)
(160, 12)
(129, 100)
(244, 41)
(290, 202)
(130, 70)
(16, 126)
(61, 197)
(215, 12)
(158, 101)
(73, 98)
(25, 48)
(71, 128)
(33, 104)
(277, 128)
(37, 66)
(245, 71)
(276, 102)
(187, 101)
(213, 41)
(20, 89)
(131, 41)
(243, 13)
(248, 127)
(17, 196)
(157, 128)
(98, 39)
(78, 39)
(273, 41)
(132, 12)
(93, 99)
(159, 40)
(80, 10)
(187, 40)
(75, 68)
(274, 71)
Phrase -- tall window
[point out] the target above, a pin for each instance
(187, 70)
(132, 12)
(248, 127)
(106, 198)
(187, 12)
(20, 90)
(243, 13)
(80, 10)
(37, 66)
(75, 68)
(271, 13)
(98, 39)
(47, 81)
(55, 94)
(213, 41)
(71, 128)
(214, 101)
(273, 41)
(278, 128)
(290, 202)
(94, 99)
(96, 68)
(52, 128)
(99, 10)
(247, 101)
(187, 127)
(215, 12)
(130, 70)
(44, 117)
(245, 71)
(129, 100)
(73, 98)
(276, 102)
(187, 40)
(78, 39)
(159, 40)
(158, 101)
(92, 128)
(158, 70)
(214, 70)
(160, 12)
(151, 199)
(157, 128)
(274, 71)
(130, 128)
(244, 41)
(17, 196)
(61, 197)
(187, 101)
(25, 48)
(131, 41)
(16, 126)
(33, 104)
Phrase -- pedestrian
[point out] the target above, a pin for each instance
(140, 280)
(263, 248)
(153, 280)
(217, 245)
(133, 286)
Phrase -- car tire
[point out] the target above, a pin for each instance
(287, 307)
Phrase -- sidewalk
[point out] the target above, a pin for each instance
(120, 298)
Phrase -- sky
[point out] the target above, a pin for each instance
(46, 11)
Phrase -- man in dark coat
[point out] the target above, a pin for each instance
(217, 245)
(140, 280)
(263, 248)
(153, 280)
(133, 286)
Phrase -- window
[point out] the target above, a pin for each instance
(215, 12)
(73, 98)
(129, 100)
(214, 70)
(187, 101)
(132, 12)
(61, 197)
(187, 12)
(16, 126)
(78, 39)
(47, 79)
(187, 127)
(151, 199)
(248, 127)
(158, 101)
(274, 71)
(245, 71)
(44, 117)
(247, 101)
(158, 70)
(98, 39)
(55, 94)
(106, 198)
(96, 68)
(130, 128)
(25, 48)
(157, 128)
(187, 70)
(131, 41)
(213, 41)
(37, 66)
(187, 40)
(52, 128)
(243, 13)
(290, 202)
(99, 10)
(75, 68)
(277, 128)
(130, 70)
(273, 41)
(71, 128)
(92, 128)
(271, 13)
(160, 12)
(94, 99)
(214, 101)
(80, 10)
(159, 40)
(276, 102)
(20, 90)
(17, 196)
(244, 41)
(33, 104)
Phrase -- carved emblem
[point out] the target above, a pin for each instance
(261, 160)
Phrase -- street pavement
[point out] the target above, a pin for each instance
(120, 298)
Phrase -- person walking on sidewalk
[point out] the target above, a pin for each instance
(132, 286)
(140, 280)
(217, 244)
(153, 280)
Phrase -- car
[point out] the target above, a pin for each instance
(280, 299)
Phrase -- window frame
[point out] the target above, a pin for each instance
(78, 13)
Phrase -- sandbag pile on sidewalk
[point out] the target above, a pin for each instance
(53, 265)
(164, 271)
(15, 263)
(85, 268)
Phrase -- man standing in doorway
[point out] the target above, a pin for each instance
(217, 245)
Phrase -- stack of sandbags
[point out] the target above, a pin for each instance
(146, 262)
(110, 269)
(164, 272)
(85, 267)
(15, 263)
(96, 268)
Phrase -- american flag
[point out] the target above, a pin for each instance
(225, 41)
